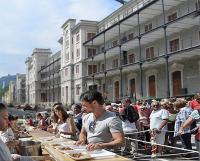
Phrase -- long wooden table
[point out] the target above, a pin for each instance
(63, 157)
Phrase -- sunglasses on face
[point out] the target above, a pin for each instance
(92, 126)
(155, 105)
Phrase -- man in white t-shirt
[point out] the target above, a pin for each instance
(158, 122)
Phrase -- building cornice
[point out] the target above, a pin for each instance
(41, 51)
(60, 41)
(116, 12)
(84, 23)
(66, 23)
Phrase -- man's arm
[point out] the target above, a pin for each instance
(187, 123)
(82, 137)
(163, 123)
(118, 141)
(165, 116)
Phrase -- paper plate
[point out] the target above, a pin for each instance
(102, 154)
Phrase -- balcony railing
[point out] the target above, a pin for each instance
(184, 45)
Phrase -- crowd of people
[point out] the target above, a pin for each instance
(104, 125)
(170, 120)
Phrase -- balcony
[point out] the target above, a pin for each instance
(183, 22)
(188, 48)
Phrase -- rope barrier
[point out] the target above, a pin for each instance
(138, 132)
(144, 131)
(163, 156)
(167, 146)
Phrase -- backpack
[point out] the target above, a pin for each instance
(129, 114)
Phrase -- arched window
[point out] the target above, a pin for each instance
(152, 86)
(116, 88)
(132, 87)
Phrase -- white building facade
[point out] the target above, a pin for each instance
(73, 67)
(20, 88)
(33, 64)
(146, 49)
(50, 81)
(9, 96)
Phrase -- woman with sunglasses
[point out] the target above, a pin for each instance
(158, 123)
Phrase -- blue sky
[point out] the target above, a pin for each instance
(29, 24)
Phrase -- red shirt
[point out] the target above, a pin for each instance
(194, 105)
(136, 108)
(30, 122)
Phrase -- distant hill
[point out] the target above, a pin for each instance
(6, 79)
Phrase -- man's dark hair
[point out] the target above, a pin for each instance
(92, 95)
(118, 102)
(16, 117)
(77, 105)
(38, 114)
(107, 103)
(2, 107)
(126, 100)
(57, 103)
(11, 118)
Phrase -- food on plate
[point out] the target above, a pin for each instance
(65, 148)
(50, 139)
(55, 144)
(76, 155)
